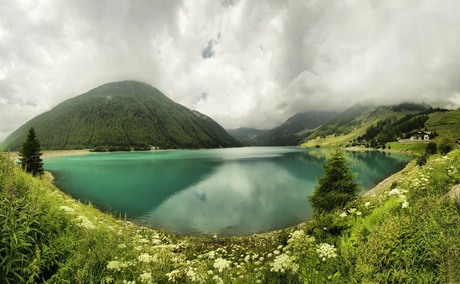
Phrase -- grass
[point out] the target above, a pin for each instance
(411, 147)
(404, 231)
(447, 124)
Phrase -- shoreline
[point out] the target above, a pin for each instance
(386, 183)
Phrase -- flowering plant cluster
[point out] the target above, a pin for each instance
(326, 251)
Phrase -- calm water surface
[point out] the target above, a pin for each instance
(238, 191)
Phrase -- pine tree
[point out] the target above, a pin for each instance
(30, 154)
(337, 187)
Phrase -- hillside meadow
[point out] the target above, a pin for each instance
(404, 231)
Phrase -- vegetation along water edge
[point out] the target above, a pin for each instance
(405, 230)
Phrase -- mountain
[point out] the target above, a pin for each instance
(247, 136)
(122, 115)
(295, 129)
(375, 125)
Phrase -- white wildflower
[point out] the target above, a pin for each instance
(217, 279)
(394, 191)
(343, 214)
(352, 210)
(114, 265)
(146, 258)
(326, 251)
(146, 277)
(405, 204)
(191, 274)
(211, 254)
(221, 264)
(296, 235)
(367, 204)
(173, 275)
(85, 222)
(283, 263)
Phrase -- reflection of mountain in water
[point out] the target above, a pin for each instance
(236, 191)
(127, 185)
(236, 199)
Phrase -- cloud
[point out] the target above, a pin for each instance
(259, 62)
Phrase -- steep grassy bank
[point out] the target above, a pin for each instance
(405, 231)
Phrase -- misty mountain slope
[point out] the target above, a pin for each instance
(247, 136)
(122, 114)
(353, 123)
(295, 129)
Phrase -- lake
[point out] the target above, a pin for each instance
(236, 191)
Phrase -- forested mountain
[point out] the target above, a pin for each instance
(358, 123)
(247, 136)
(295, 129)
(122, 115)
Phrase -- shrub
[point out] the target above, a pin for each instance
(445, 146)
(431, 148)
(337, 187)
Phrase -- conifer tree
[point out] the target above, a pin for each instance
(337, 187)
(30, 154)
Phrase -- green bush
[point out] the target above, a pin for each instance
(337, 187)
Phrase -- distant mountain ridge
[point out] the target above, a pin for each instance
(295, 129)
(122, 115)
(247, 136)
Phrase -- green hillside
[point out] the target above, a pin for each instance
(122, 115)
(445, 123)
(295, 129)
(353, 123)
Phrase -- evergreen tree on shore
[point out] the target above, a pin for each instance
(337, 187)
(30, 154)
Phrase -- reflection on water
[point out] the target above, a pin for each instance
(237, 191)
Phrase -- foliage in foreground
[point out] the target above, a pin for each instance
(30, 154)
(337, 187)
(406, 233)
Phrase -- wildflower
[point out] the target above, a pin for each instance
(269, 255)
(145, 257)
(343, 214)
(173, 275)
(326, 251)
(358, 213)
(218, 279)
(114, 265)
(146, 277)
(296, 235)
(143, 241)
(85, 222)
(405, 204)
(352, 210)
(66, 209)
(284, 262)
(276, 252)
(367, 204)
(211, 254)
(221, 264)
(191, 274)
(394, 191)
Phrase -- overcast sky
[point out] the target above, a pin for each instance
(244, 63)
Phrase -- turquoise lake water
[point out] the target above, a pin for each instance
(237, 191)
